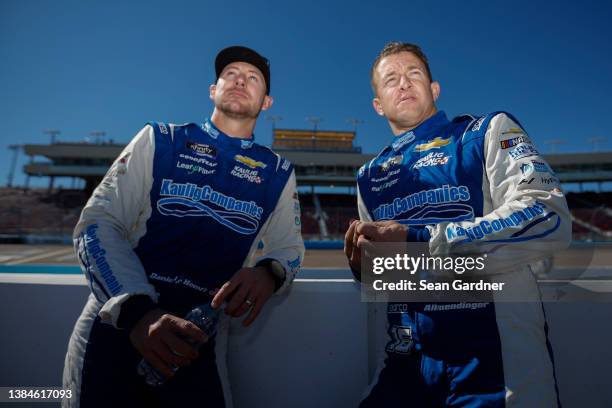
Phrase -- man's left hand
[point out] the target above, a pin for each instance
(382, 231)
(249, 289)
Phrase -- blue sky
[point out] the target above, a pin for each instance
(81, 66)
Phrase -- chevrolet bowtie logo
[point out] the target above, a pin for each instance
(432, 144)
(249, 162)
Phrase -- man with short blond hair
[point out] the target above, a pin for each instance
(470, 185)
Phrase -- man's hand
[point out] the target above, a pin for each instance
(159, 337)
(382, 231)
(352, 252)
(250, 289)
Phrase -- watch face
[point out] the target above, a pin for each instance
(277, 270)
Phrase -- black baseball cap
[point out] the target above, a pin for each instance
(238, 53)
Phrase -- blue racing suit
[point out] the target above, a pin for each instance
(467, 186)
(179, 212)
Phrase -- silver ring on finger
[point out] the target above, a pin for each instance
(249, 302)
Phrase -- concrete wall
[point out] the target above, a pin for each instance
(314, 348)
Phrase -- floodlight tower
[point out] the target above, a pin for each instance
(315, 120)
(53, 133)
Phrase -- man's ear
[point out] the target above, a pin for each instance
(212, 90)
(378, 106)
(435, 90)
(267, 103)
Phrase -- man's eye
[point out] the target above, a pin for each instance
(390, 81)
(254, 78)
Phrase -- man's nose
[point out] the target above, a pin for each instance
(405, 82)
(240, 79)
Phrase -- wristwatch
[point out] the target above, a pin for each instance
(275, 269)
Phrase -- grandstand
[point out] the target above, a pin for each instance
(326, 163)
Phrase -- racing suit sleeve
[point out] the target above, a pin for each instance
(282, 236)
(110, 226)
(364, 215)
(525, 212)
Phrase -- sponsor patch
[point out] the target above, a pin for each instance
(121, 166)
(401, 340)
(286, 164)
(252, 176)
(542, 167)
(246, 144)
(526, 181)
(247, 161)
(214, 133)
(514, 131)
(515, 141)
(403, 141)
(391, 161)
(163, 129)
(432, 144)
(478, 124)
(486, 227)
(191, 200)
(201, 149)
(432, 159)
(384, 186)
(95, 252)
(385, 177)
(294, 265)
(527, 169)
(199, 160)
(523, 150)
(428, 206)
(194, 168)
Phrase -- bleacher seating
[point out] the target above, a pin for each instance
(40, 212)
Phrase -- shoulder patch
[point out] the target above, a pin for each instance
(476, 126)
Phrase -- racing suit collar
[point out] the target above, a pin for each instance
(209, 127)
(429, 126)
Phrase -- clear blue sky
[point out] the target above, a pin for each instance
(80, 66)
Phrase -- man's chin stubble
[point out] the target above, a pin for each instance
(237, 113)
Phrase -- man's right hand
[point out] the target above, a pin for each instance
(159, 337)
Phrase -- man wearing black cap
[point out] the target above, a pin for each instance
(173, 225)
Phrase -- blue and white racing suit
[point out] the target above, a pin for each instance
(467, 186)
(179, 212)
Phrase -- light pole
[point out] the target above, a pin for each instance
(355, 122)
(554, 143)
(98, 135)
(596, 140)
(53, 133)
(274, 119)
(315, 120)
